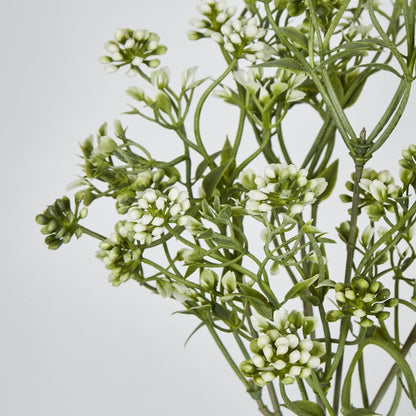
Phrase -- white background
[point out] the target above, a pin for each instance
(71, 345)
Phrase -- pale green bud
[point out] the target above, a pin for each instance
(162, 102)
(160, 78)
(229, 282)
(208, 279)
(378, 190)
(83, 213)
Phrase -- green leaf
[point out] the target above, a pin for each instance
(306, 408)
(204, 164)
(337, 85)
(330, 174)
(382, 67)
(363, 45)
(193, 333)
(300, 287)
(226, 242)
(362, 412)
(295, 35)
(257, 300)
(325, 283)
(191, 269)
(285, 63)
(212, 179)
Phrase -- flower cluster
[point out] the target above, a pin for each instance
(362, 298)
(59, 223)
(282, 186)
(408, 166)
(132, 48)
(268, 90)
(153, 211)
(138, 183)
(120, 255)
(280, 351)
(175, 290)
(376, 194)
(324, 9)
(241, 37)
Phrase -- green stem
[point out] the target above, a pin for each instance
(198, 110)
(411, 339)
(273, 398)
(339, 356)
(317, 387)
(227, 355)
(363, 384)
(92, 233)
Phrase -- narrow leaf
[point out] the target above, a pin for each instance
(330, 174)
(362, 412)
(204, 165)
(299, 287)
(257, 300)
(285, 63)
(212, 179)
(306, 408)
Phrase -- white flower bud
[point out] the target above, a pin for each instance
(359, 313)
(280, 318)
(141, 236)
(263, 340)
(141, 34)
(295, 370)
(268, 376)
(258, 361)
(306, 345)
(304, 357)
(146, 219)
(157, 231)
(257, 195)
(138, 228)
(378, 190)
(208, 279)
(260, 324)
(160, 77)
(197, 23)
(229, 282)
(129, 43)
(111, 69)
(137, 60)
(306, 372)
(314, 362)
(293, 340)
(279, 364)
(294, 356)
(268, 352)
(131, 72)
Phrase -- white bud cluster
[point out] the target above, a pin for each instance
(282, 186)
(377, 194)
(280, 351)
(154, 210)
(132, 48)
(269, 89)
(380, 187)
(119, 257)
(241, 37)
(175, 290)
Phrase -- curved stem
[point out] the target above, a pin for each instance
(198, 110)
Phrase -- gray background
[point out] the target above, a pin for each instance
(70, 343)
